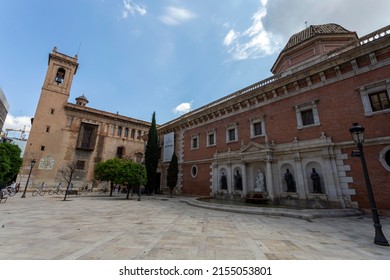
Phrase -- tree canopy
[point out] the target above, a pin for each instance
(108, 170)
(132, 174)
(10, 161)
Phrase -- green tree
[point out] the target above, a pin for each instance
(132, 175)
(10, 162)
(152, 157)
(173, 171)
(108, 170)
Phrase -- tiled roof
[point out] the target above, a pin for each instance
(314, 30)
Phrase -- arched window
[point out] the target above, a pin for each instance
(60, 76)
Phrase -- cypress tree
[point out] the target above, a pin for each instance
(152, 157)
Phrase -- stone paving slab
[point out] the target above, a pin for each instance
(98, 227)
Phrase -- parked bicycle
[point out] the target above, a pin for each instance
(56, 191)
(85, 190)
(103, 190)
(39, 191)
(9, 191)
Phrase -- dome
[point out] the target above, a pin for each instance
(82, 100)
(310, 43)
(314, 30)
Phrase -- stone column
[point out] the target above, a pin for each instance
(269, 179)
(300, 180)
(331, 182)
(244, 180)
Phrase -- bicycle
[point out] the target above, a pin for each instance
(103, 190)
(9, 191)
(41, 192)
(56, 191)
(85, 191)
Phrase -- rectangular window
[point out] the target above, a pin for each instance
(211, 139)
(52, 111)
(195, 142)
(379, 101)
(307, 117)
(42, 148)
(47, 128)
(231, 134)
(119, 152)
(80, 164)
(87, 136)
(257, 129)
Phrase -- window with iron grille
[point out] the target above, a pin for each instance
(80, 164)
(87, 136)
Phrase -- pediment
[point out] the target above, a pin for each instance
(253, 147)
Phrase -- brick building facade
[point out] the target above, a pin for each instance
(242, 145)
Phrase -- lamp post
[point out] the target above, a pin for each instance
(28, 178)
(357, 133)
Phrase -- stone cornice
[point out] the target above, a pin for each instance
(104, 115)
(63, 58)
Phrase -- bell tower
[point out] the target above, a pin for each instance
(60, 73)
(48, 131)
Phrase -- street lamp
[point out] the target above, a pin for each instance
(28, 178)
(357, 133)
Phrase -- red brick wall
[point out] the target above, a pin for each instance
(200, 185)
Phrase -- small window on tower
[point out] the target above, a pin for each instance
(60, 76)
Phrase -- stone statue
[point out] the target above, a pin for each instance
(223, 181)
(315, 177)
(259, 183)
(288, 177)
(238, 181)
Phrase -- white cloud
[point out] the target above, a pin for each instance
(230, 37)
(175, 16)
(254, 42)
(287, 17)
(17, 123)
(183, 108)
(130, 7)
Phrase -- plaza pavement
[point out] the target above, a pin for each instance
(99, 227)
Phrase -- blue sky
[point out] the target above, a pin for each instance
(137, 57)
